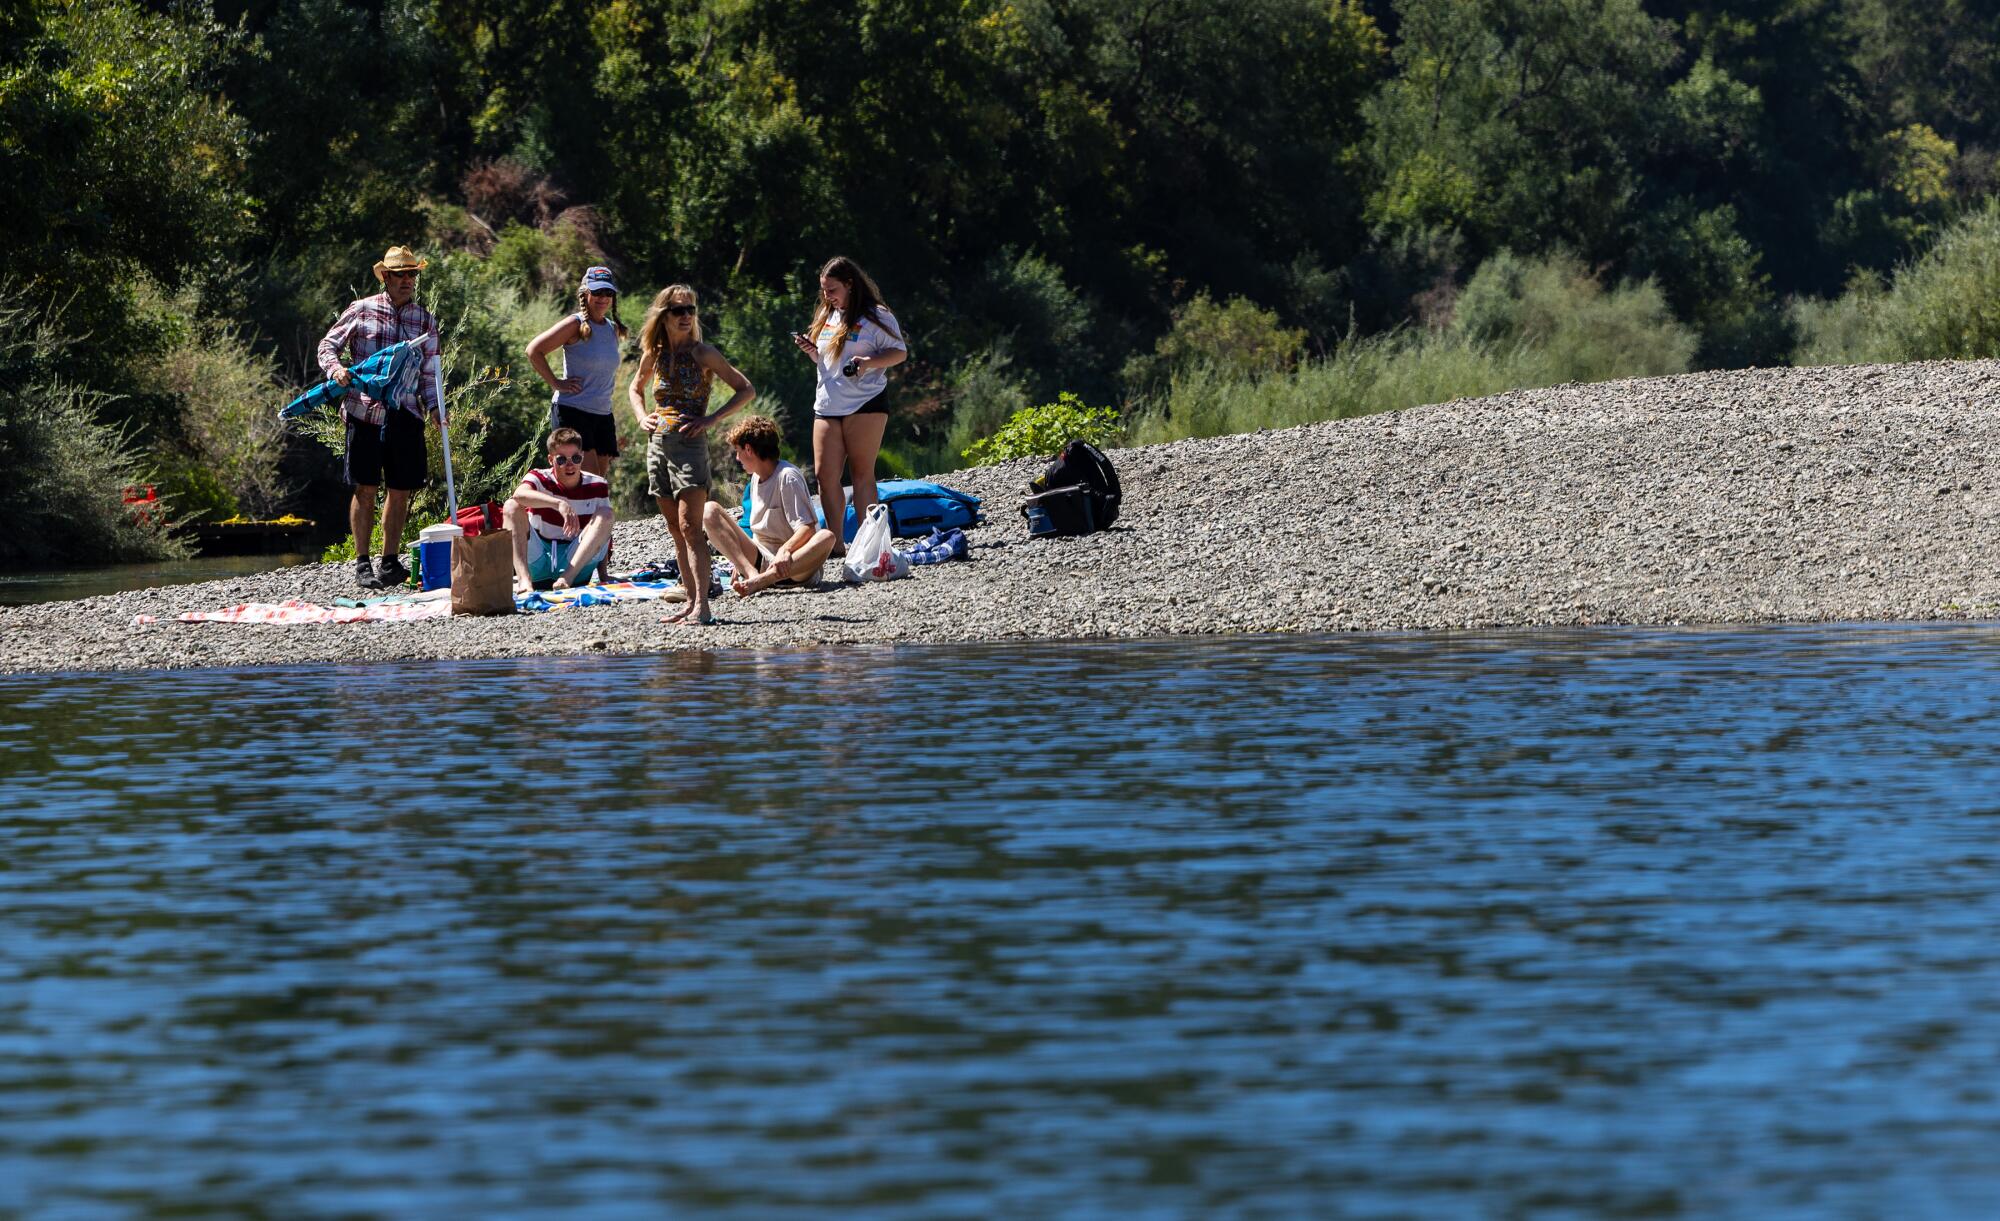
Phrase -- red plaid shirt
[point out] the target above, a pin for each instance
(365, 328)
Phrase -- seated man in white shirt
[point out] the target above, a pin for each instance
(785, 541)
(561, 518)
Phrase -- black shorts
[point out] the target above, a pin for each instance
(390, 454)
(874, 406)
(599, 432)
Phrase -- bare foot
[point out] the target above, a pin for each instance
(755, 585)
(702, 616)
(679, 615)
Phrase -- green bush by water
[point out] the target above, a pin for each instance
(63, 497)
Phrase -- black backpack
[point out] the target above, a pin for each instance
(1078, 494)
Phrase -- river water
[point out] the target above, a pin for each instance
(1594, 924)
(20, 587)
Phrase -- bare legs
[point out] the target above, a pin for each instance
(829, 456)
(729, 539)
(517, 525)
(600, 466)
(744, 556)
(684, 522)
(853, 442)
(361, 519)
(591, 544)
(863, 433)
(395, 511)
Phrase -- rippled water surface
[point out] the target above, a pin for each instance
(1586, 925)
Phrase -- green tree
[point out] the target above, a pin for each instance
(116, 160)
(1519, 123)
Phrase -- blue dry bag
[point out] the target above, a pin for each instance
(916, 507)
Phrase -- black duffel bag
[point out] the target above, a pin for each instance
(1078, 494)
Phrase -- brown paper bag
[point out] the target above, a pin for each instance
(482, 574)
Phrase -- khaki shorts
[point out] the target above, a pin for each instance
(674, 463)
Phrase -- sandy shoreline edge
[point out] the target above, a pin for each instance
(1760, 496)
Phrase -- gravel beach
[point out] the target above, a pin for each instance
(1758, 496)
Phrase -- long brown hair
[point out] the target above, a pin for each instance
(864, 300)
(583, 309)
(653, 331)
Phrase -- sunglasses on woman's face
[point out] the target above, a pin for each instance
(680, 311)
(566, 459)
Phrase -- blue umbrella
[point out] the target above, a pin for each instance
(386, 377)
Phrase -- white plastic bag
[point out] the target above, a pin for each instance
(869, 556)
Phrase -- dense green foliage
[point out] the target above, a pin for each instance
(1045, 429)
(1215, 216)
(64, 468)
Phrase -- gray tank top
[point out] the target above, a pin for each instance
(594, 362)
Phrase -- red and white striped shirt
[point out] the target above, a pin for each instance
(590, 496)
(365, 328)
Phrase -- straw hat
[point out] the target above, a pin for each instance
(400, 258)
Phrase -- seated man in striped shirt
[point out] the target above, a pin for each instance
(561, 518)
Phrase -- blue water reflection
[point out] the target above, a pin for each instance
(1590, 924)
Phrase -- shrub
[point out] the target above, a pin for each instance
(1045, 429)
(1719, 288)
(1020, 305)
(62, 471)
(1946, 305)
(192, 491)
(984, 395)
(1943, 306)
(504, 189)
(1409, 368)
(541, 262)
(232, 443)
(1237, 337)
(1844, 331)
(1577, 329)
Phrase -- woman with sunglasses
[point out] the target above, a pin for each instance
(677, 470)
(582, 395)
(853, 338)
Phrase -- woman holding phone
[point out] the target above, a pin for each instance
(853, 338)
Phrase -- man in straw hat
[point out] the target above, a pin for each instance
(385, 441)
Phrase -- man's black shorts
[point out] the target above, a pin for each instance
(599, 432)
(391, 455)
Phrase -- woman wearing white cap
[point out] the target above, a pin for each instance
(590, 349)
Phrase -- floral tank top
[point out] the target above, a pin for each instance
(682, 392)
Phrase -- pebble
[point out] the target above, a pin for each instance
(1657, 501)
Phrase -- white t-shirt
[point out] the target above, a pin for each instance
(779, 505)
(838, 395)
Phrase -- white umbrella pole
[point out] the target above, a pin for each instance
(450, 490)
(444, 441)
